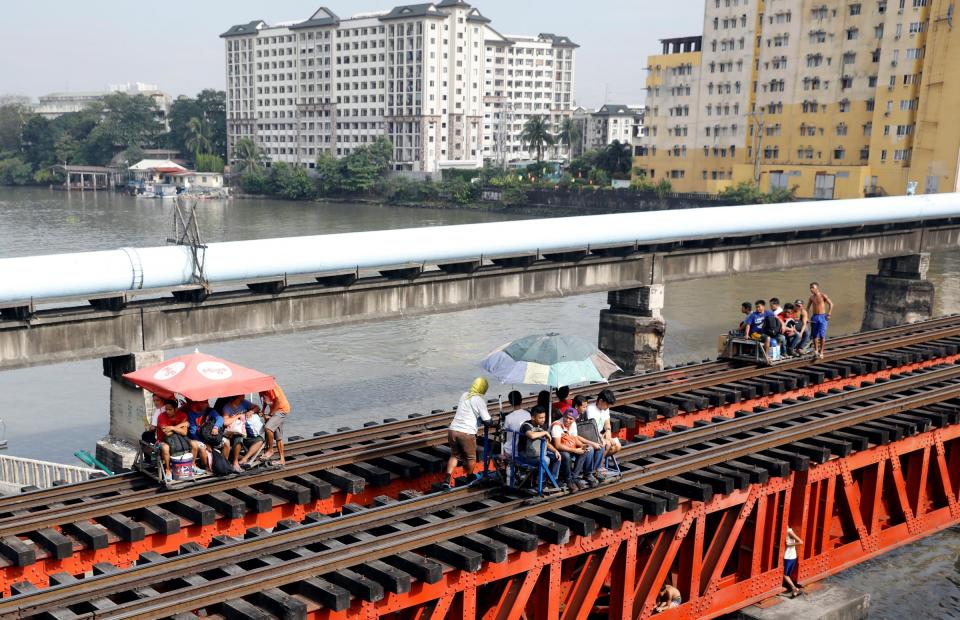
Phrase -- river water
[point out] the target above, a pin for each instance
(345, 376)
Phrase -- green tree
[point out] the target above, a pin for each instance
(47, 176)
(254, 182)
(599, 177)
(213, 111)
(182, 110)
(365, 165)
(66, 149)
(616, 159)
(247, 156)
(13, 118)
(570, 133)
(329, 175)
(581, 166)
(459, 190)
(536, 135)
(15, 171)
(743, 193)
(290, 182)
(197, 140)
(38, 142)
(208, 162)
(129, 120)
(663, 188)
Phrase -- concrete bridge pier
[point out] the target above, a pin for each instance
(632, 329)
(900, 293)
(130, 407)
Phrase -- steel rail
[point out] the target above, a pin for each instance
(511, 511)
(44, 510)
(133, 481)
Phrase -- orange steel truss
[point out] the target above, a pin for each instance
(813, 487)
(722, 555)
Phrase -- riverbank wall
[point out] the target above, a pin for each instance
(550, 202)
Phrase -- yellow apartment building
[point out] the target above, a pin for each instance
(838, 98)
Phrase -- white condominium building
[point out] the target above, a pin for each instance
(434, 78)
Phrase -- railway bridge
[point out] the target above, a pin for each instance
(858, 453)
(127, 306)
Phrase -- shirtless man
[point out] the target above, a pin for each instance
(820, 308)
(668, 599)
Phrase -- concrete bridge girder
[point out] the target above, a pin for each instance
(631, 331)
(72, 334)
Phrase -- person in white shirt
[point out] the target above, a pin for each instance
(775, 306)
(512, 423)
(790, 562)
(150, 435)
(462, 433)
(599, 413)
(576, 453)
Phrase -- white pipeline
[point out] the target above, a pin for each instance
(129, 269)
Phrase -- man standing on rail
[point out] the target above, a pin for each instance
(820, 308)
(276, 408)
(462, 433)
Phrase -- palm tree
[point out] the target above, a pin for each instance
(569, 134)
(197, 140)
(536, 135)
(617, 158)
(247, 156)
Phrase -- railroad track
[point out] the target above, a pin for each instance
(61, 521)
(387, 548)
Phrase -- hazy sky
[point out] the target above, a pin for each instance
(57, 45)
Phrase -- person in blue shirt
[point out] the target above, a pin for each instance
(753, 324)
(199, 413)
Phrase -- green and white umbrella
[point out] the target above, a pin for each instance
(549, 359)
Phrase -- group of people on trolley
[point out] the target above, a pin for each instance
(792, 327)
(547, 435)
(230, 433)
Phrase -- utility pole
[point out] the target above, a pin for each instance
(757, 124)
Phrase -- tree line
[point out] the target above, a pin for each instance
(112, 131)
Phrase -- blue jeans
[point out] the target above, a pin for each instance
(573, 466)
(551, 462)
(598, 456)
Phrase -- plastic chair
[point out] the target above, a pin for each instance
(522, 463)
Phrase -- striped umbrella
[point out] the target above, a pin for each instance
(549, 359)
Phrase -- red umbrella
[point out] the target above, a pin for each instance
(198, 376)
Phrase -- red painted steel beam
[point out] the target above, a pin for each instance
(852, 508)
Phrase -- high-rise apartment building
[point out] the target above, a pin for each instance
(840, 98)
(436, 79)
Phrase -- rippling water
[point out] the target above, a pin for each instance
(345, 376)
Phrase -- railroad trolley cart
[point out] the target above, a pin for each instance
(748, 351)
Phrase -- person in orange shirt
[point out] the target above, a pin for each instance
(276, 408)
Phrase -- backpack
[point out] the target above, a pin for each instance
(220, 465)
(206, 432)
(771, 325)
